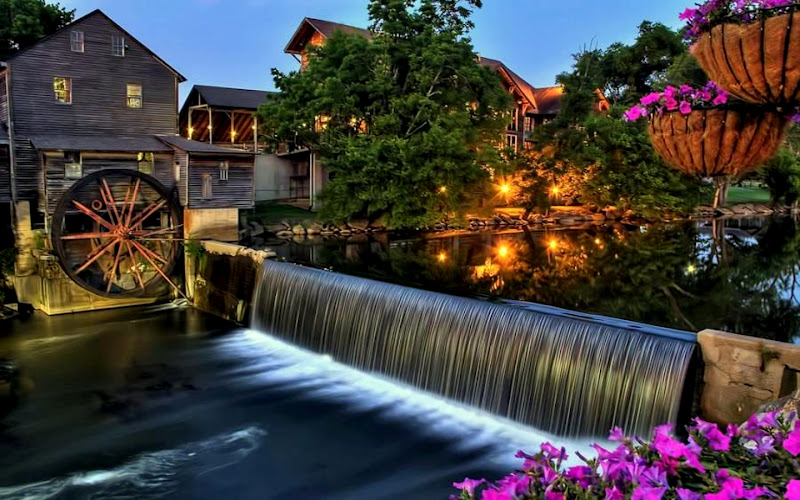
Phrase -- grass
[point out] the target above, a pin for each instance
(269, 212)
(744, 194)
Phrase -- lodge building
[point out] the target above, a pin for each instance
(293, 174)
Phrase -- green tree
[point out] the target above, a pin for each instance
(397, 117)
(24, 22)
(781, 174)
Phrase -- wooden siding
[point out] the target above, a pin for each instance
(99, 86)
(28, 171)
(182, 159)
(236, 192)
(5, 175)
(57, 185)
(3, 102)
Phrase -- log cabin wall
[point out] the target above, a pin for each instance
(5, 175)
(236, 192)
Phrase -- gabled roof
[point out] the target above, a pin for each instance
(325, 28)
(548, 99)
(230, 98)
(106, 143)
(191, 146)
(524, 88)
(98, 12)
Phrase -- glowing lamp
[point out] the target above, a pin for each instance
(442, 256)
(505, 188)
(555, 190)
(502, 251)
(443, 189)
(597, 241)
(552, 244)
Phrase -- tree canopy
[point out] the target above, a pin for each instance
(24, 22)
(404, 122)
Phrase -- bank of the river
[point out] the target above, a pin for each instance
(166, 402)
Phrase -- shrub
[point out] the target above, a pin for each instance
(781, 174)
(756, 461)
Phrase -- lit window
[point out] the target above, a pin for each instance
(177, 172)
(207, 193)
(76, 41)
(72, 165)
(134, 95)
(224, 166)
(146, 163)
(513, 125)
(511, 141)
(63, 89)
(118, 45)
(528, 123)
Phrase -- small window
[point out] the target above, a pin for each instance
(513, 125)
(118, 45)
(134, 95)
(511, 141)
(177, 172)
(76, 41)
(72, 165)
(146, 163)
(207, 192)
(528, 123)
(63, 89)
(224, 166)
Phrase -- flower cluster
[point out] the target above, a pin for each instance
(758, 460)
(713, 12)
(684, 99)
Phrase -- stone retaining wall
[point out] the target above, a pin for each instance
(742, 373)
(220, 278)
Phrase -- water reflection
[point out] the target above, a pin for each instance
(738, 276)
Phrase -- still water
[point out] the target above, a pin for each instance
(738, 275)
(167, 402)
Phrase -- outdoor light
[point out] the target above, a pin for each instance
(554, 190)
(691, 269)
(552, 244)
(502, 251)
(505, 188)
(442, 256)
(191, 131)
(597, 241)
(443, 189)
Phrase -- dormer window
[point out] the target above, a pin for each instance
(118, 45)
(76, 41)
(134, 99)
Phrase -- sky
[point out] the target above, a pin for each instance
(235, 43)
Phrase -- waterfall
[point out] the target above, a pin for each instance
(564, 375)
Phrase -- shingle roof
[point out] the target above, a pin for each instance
(327, 28)
(200, 147)
(525, 88)
(548, 100)
(229, 98)
(99, 143)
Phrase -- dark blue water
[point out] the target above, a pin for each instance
(166, 402)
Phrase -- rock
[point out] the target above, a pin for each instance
(298, 229)
(599, 216)
(743, 209)
(536, 218)
(256, 228)
(723, 212)
(439, 226)
(358, 224)
(629, 214)
(569, 220)
(786, 406)
(275, 228)
(613, 213)
(345, 232)
(327, 232)
(284, 234)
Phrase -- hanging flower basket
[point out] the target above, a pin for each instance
(751, 51)
(698, 131)
(716, 142)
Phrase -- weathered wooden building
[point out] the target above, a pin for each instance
(92, 97)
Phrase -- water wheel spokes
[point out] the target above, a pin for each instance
(116, 233)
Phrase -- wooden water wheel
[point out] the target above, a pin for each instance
(117, 233)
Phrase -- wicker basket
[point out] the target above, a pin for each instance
(759, 62)
(717, 142)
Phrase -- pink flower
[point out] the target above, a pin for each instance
(685, 108)
(648, 493)
(686, 89)
(617, 435)
(684, 494)
(720, 99)
(469, 485)
(793, 490)
(580, 475)
(792, 443)
(491, 494)
(687, 14)
(671, 104)
(651, 98)
(635, 113)
(553, 495)
(614, 494)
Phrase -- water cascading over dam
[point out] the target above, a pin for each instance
(567, 376)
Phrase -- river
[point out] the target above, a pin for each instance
(168, 402)
(739, 275)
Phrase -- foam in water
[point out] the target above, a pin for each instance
(150, 475)
(566, 376)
